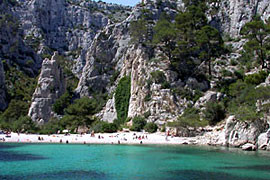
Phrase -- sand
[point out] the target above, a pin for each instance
(105, 138)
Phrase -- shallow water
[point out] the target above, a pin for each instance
(60, 161)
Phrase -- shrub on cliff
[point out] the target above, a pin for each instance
(256, 78)
(190, 118)
(122, 96)
(62, 103)
(151, 127)
(104, 127)
(80, 113)
(138, 123)
(214, 112)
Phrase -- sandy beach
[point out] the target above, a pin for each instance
(104, 138)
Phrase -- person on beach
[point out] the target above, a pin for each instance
(93, 134)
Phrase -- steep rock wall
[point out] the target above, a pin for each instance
(112, 50)
(232, 15)
(66, 26)
(51, 85)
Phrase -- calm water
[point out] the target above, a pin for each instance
(48, 161)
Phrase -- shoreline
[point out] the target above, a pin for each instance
(124, 138)
(128, 138)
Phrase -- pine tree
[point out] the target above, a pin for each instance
(164, 36)
(210, 41)
(257, 33)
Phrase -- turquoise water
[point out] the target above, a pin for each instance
(56, 161)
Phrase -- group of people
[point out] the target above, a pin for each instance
(140, 137)
(40, 138)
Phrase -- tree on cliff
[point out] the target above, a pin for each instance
(165, 35)
(138, 30)
(258, 43)
(211, 43)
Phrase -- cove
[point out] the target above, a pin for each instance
(61, 161)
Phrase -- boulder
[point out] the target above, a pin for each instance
(249, 147)
(210, 96)
(238, 133)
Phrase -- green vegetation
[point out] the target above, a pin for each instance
(80, 113)
(104, 127)
(188, 94)
(256, 78)
(211, 43)
(114, 77)
(8, 21)
(51, 127)
(62, 103)
(243, 100)
(151, 127)
(15, 117)
(138, 31)
(158, 76)
(19, 85)
(164, 33)
(147, 97)
(186, 37)
(138, 123)
(122, 96)
(19, 88)
(214, 112)
(190, 118)
(257, 34)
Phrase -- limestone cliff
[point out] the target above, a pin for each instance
(229, 16)
(112, 51)
(12, 48)
(66, 26)
(51, 85)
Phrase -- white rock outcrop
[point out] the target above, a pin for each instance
(51, 85)
(234, 14)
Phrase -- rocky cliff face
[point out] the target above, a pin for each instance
(32, 30)
(66, 26)
(51, 85)
(112, 51)
(12, 48)
(231, 15)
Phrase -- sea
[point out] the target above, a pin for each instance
(128, 162)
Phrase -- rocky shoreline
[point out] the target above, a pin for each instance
(230, 133)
